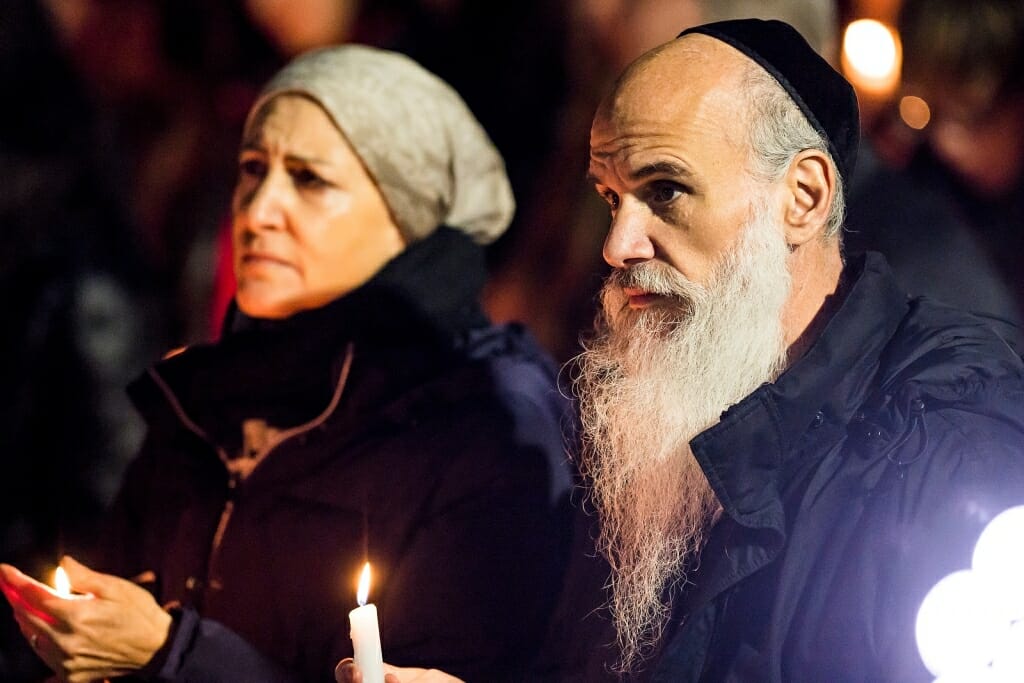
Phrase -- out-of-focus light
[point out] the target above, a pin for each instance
(971, 624)
(1008, 664)
(871, 48)
(872, 55)
(959, 625)
(915, 112)
(974, 676)
(979, 675)
(999, 560)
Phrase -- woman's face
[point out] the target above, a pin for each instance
(309, 223)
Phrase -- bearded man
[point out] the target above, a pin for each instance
(785, 451)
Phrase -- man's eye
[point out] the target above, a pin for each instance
(665, 192)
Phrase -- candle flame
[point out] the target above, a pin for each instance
(61, 583)
(364, 585)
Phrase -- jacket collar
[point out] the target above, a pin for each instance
(431, 288)
(746, 456)
(285, 371)
(761, 443)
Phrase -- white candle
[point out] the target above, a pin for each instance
(365, 633)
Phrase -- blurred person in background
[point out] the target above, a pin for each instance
(360, 406)
(170, 82)
(78, 318)
(951, 220)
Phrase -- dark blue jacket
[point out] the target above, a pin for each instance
(850, 486)
(429, 443)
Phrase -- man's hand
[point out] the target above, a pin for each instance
(346, 672)
(113, 628)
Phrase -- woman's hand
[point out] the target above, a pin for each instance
(346, 672)
(111, 628)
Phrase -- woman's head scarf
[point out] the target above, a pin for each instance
(430, 157)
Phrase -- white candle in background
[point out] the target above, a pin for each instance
(365, 633)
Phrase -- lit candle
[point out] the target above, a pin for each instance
(366, 634)
(61, 583)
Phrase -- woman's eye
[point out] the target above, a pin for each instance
(304, 177)
(252, 167)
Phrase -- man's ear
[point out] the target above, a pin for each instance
(810, 185)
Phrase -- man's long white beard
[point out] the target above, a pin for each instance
(650, 381)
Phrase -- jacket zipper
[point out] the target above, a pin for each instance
(234, 480)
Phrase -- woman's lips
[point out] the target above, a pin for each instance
(261, 259)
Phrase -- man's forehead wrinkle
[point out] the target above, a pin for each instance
(670, 107)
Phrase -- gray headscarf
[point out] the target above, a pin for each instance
(430, 157)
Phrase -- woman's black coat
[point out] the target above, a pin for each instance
(430, 443)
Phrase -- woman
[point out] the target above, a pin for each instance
(359, 407)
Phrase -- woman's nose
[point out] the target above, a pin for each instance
(263, 207)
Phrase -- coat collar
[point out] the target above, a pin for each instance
(422, 306)
(430, 291)
(746, 455)
(763, 442)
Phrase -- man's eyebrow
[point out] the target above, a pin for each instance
(661, 168)
(668, 168)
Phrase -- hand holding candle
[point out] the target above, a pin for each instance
(365, 633)
(96, 625)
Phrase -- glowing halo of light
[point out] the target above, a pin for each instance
(978, 675)
(872, 55)
(1008, 663)
(915, 112)
(959, 624)
(871, 48)
(999, 559)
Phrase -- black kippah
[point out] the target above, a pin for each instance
(823, 95)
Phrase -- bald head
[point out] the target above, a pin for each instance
(673, 78)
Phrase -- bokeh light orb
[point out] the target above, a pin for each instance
(979, 675)
(1008, 664)
(959, 625)
(915, 112)
(872, 57)
(999, 560)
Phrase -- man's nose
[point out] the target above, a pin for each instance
(628, 242)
